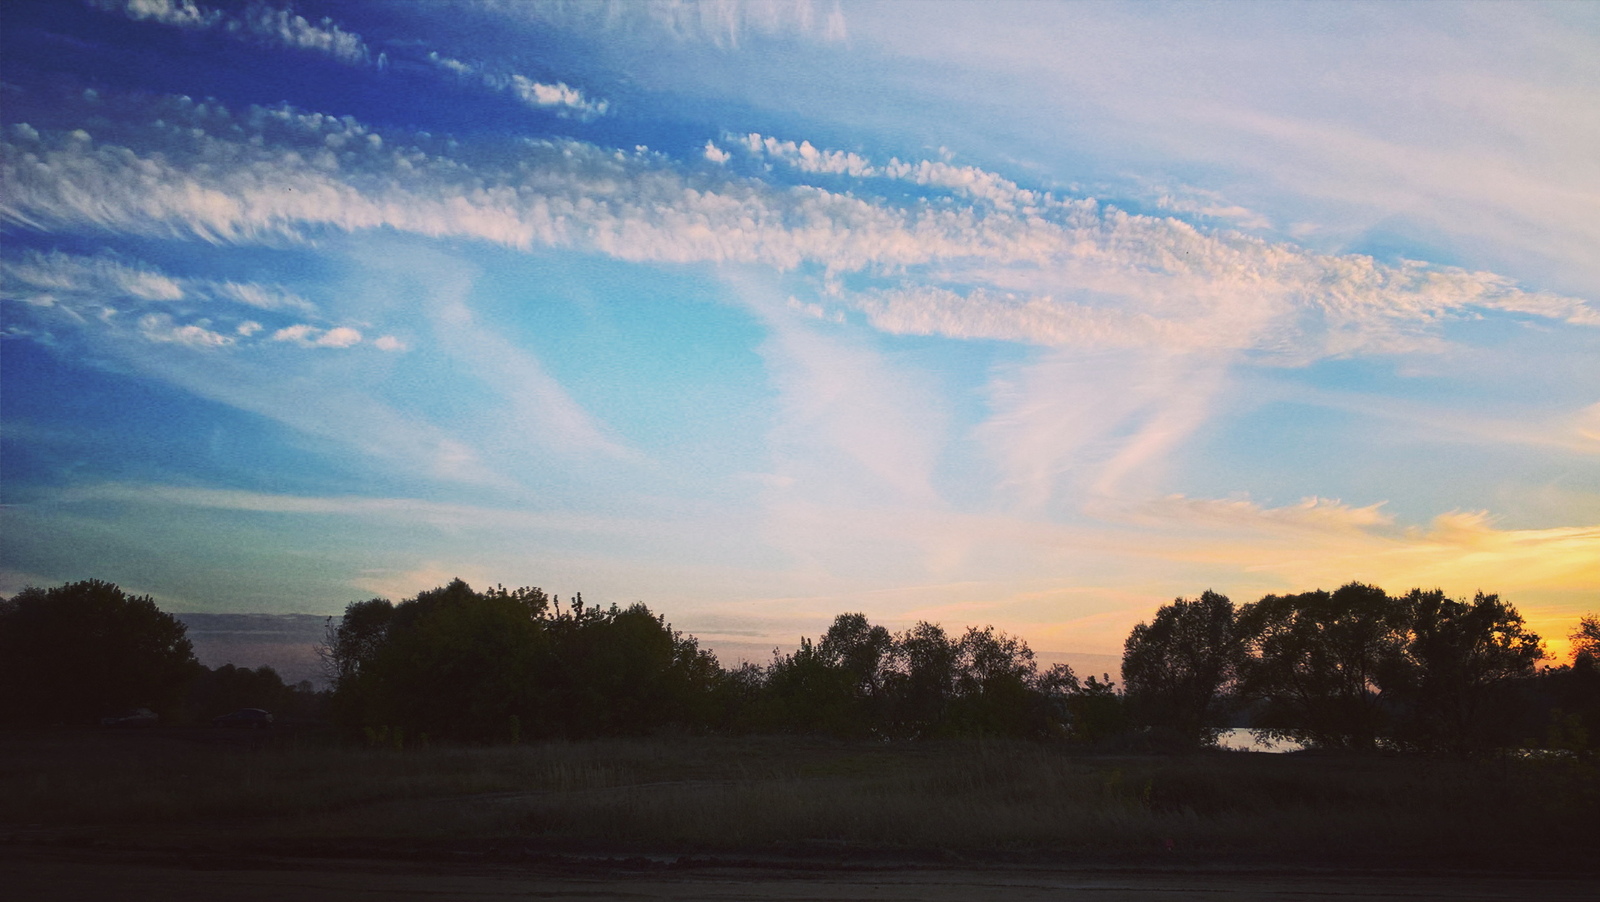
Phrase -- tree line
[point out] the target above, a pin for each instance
(1354, 669)
(79, 652)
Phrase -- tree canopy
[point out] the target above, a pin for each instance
(1179, 670)
(77, 652)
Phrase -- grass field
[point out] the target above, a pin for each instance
(787, 796)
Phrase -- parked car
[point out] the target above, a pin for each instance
(252, 718)
(138, 717)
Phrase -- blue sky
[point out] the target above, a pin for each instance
(1033, 315)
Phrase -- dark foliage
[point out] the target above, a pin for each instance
(1354, 669)
(228, 688)
(1316, 660)
(1179, 670)
(502, 665)
(84, 650)
(858, 680)
(1451, 688)
(1586, 641)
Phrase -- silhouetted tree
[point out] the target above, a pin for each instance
(1055, 688)
(624, 671)
(83, 650)
(1586, 640)
(504, 664)
(1450, 684)
(355, 640)
(229, 688)
(835, 685)
(994, 685)
(1315, 661)
(1178, 670)
(921, 680)
(860, 650)
(458, 664)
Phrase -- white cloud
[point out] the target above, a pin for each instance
(1044, 269)
(99, 289)
(300, 334)
(107, 279)
(1315, 514)
(721, 23)
(558, 96)
(805, 157)
(180, 13)
(452, 65)
(716, 154)
(160, 328)
(339, 337)
(1211, 205)
(980, 314)
(388, 343)
(264, 297)
(275, 25)
(67, 275)
(564, 99)
(308, 336)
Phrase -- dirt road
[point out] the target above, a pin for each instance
(51, 874)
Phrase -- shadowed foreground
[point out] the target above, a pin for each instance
(266, 815)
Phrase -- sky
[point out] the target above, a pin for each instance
(1033, 315)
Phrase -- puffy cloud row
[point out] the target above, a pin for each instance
(1042, 269)
(807, 158)
(721, 23)
(560, 97)
(105, 289)
(968, 181)
(279, 26)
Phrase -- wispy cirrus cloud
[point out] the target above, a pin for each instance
(257, 21)
(979, 258)
(558, 96)
(1122, 274)
(724, 24)
(197, 312)
(33, 276)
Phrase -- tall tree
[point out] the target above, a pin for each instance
(625, 671)
(860, 649)
(1315, 662)
(995, 684)
(921, 681)
(1178, 669)
(79, 651)
(353, 643)
(1458, 659)
(835, 685)
(452, 663)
